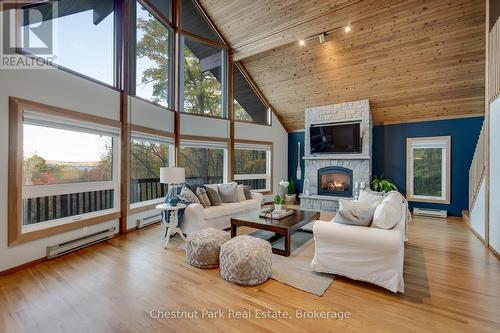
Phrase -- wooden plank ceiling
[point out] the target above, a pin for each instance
(414, 60)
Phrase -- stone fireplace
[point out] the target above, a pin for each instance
(335, 181)
(332, 176)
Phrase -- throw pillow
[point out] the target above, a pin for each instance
(241, 193)
(188, 195)
(202, 195)
(388, 213)
(228, 192)
(214, 187)
(248, 193)
(214, 197)
(355, 213)
(195, 187)
(369, 197)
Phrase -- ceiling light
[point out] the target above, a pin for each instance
(302, 42)
(321, 38)
(347, 29)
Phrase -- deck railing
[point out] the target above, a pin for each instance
(42, 209)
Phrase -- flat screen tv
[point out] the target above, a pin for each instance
(335, 138)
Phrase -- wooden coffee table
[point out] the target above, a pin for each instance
(284, 227)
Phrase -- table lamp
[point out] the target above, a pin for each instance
(172, 177)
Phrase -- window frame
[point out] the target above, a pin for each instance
(208, 142)
(16, 233)
(146, 134)
(224, 49)
(116, 85)
(261, 146)
(443, 142)
(251, 83)
(133, 53)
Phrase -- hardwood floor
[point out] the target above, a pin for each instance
(452, 285)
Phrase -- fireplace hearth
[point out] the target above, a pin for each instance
(335, 181)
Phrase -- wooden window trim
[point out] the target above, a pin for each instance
(15, 185)
(409, 190)
(271, 148)
(151, 131)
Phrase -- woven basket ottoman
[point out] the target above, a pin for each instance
(203, 247)
(246, 260)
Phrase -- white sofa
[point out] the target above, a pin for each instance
(362, 253)
(196, 217)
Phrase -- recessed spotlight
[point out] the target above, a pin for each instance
(302, 42)
(347, 29)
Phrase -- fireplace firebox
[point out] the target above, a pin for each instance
(335, 181)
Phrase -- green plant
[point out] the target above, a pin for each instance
(278, 200)
(291, 187)
(381, 184)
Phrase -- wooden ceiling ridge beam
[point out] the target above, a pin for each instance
(292, 25)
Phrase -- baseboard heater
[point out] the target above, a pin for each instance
(430, 212)
(147, 221)
(80, 243)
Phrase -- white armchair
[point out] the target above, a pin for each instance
(361, 253)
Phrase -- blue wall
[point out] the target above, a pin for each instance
(389, 154)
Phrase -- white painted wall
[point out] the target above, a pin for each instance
(58, 88)
(149, 115)
(278, 135)
(204, 126)
(494, 130)
(477, 214)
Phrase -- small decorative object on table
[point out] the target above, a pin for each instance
(172, 226)
(278, 201)
(283, 188)
(172, 177)
(290, 196)
(272, 214)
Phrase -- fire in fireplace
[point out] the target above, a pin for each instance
(335, 181)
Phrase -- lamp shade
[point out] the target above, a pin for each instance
(172, 175)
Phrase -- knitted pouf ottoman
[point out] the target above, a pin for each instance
(203, 247)
(246, 260)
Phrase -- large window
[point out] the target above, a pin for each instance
(153, 58)
(428, 169)
(204, 78)
(70, 170)
(252, 165)
(205, 162)
(194, 22)
(80, 34)
(148, 154)
(247, 104)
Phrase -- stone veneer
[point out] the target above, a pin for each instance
(361, 164)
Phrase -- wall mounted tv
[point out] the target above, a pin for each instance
(342, 138)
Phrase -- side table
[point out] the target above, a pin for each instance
(172, 227)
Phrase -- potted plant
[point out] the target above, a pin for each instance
(278, 201)
(381, 184)
(290, 196)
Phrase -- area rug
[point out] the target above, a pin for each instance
(295, 270)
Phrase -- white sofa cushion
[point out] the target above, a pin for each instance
(355, 213)
(388, 213)
(370, 197)
(214, 187)
(232, 209)
(241, 193)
